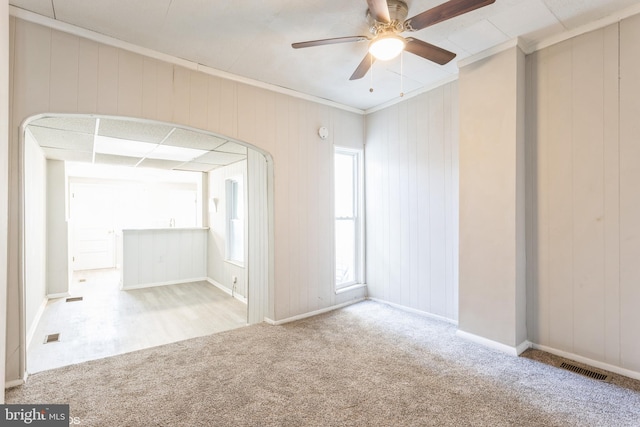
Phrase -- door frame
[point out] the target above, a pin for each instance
(260, 262)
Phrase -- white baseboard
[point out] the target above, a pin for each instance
(227, 290)
(596, 364)
(14, 383)
(172, 282)
(59, 295)
(415, 311)
(512, 351)
(36, 320)
(312, 313)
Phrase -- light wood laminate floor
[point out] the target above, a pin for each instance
(110, 321)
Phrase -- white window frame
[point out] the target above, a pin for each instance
(358, 180)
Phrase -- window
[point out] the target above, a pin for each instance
(235, 220)
(348, 223)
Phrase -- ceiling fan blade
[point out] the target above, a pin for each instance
(379, 10)
(445, 11)
(364, 66)
(428, 51)
(335, 40)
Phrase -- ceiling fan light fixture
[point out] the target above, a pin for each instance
(387, 47)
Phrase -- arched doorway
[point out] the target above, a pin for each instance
(141, 144)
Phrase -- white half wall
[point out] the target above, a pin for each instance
(411, 169)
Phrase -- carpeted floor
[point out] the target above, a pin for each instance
(364, 365)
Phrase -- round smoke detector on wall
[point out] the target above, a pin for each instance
(323, 132)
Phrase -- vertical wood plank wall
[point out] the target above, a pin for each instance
(57, 72)
(411, 160)
(584, 202)
(218, 269)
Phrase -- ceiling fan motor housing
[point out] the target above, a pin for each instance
(398, 11)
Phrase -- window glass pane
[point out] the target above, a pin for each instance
(345, 251)
(344, 185)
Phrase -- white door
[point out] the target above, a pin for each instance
(92, 217)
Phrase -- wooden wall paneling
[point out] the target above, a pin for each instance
(629, 195)
(414, 197)
(436, 205)
(228, 104)
(130, 247)
(283, 201)
(198, 100)
(246, 114)
(588, 197)
(174, 269)
(88, 58)
(560, 194)
(535, 238)
(424, 203)
(402, 268)
(372, 165)
(149, 89)
(394, 207)
(145, 257)
(108, 59)
(611, 162)
(313, 159)
(448, 245)
(31, 71)
(158, 264)
(455, 195)
(181, 94)
(213, 103)
(164, 92)
(130, 84)
(304, 203)
(64, 73)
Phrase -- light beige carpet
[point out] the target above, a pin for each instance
(364, 365)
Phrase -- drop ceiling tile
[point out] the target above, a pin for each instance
(574, 13)
(189, 139)
(160, 164)
(232, 147)
(110, 159)
(72, 123)
(67, 155)
(216, 158)
(66, 140)
(525, 18)
(478, 37)
(133, 130)
(196, 167)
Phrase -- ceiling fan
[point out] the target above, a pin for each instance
(388, 21)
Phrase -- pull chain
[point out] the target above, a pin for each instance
(371, 72)
(401, 73)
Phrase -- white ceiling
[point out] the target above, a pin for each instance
(252, 38)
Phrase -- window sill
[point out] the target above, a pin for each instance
(351, 288)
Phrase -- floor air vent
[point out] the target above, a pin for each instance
(73, 299)
(51, 338)
(582, 371)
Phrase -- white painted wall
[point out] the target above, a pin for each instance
(57, 229)
(492, 205)
(584, 203)
(58, 72)
(411, 167)
(219, 270)
(4, 172)
(35, 231)
(156, 257)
